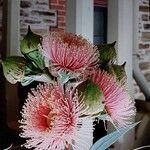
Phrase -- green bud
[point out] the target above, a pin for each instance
(119, 71)
(13, 68)
(29, 48)
(92, 97)
(30, 42)
(107, 53)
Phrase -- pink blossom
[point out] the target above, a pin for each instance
(53, 120)
(118, 104)
(69, 52)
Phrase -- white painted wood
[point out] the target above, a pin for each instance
(79, 19)
(71, 16)
(84, 18)
(120, 30)
(13, 27)
(135, 26)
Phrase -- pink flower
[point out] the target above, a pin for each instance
(118, 104)
(53, 120)
(69, 52)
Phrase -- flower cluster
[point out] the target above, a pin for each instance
(81, 83)
(68, 52)
(53, 119)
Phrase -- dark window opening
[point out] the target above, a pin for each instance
(100, 25)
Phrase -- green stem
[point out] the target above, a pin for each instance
(49, 75)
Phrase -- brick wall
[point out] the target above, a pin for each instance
(100, 3)
(60, 6)
(38, 15)
(144, 43)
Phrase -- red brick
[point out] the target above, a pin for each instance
(58, 7)
(147, 76)
(62, 2)
(61, 7)
(53, 1)
(61, 18)
(144, 8)
(57, 29)
(143, 46)
(144, 65)
(145, 36)
(147, 26)
(54, 6)
(61, 13)
(100, 3)
(62, 24)
(145, 17)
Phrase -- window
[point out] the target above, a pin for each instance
(100, 25)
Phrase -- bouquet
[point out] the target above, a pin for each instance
(78, 82)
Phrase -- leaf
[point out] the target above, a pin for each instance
(27, 80)
(92, 97)
(14, 68)
(64, 77)
(36, 58)
(109, 139)
(39, 77)
(30, 69)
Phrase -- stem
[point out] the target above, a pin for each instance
(49, 75)
(142, 147)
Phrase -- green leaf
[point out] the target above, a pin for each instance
(27, 80)
(14, 68)
(92, 97)
(34, 74)
(109, 139)
(30, 42)
(36, 58)
(38, 77)
(30, 74)
(30, 69)
(64, 77)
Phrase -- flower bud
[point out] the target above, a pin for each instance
(13, 68)
(30, 42)
(92, 97)
(29, 48)
(107, 53)
(119, 71)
